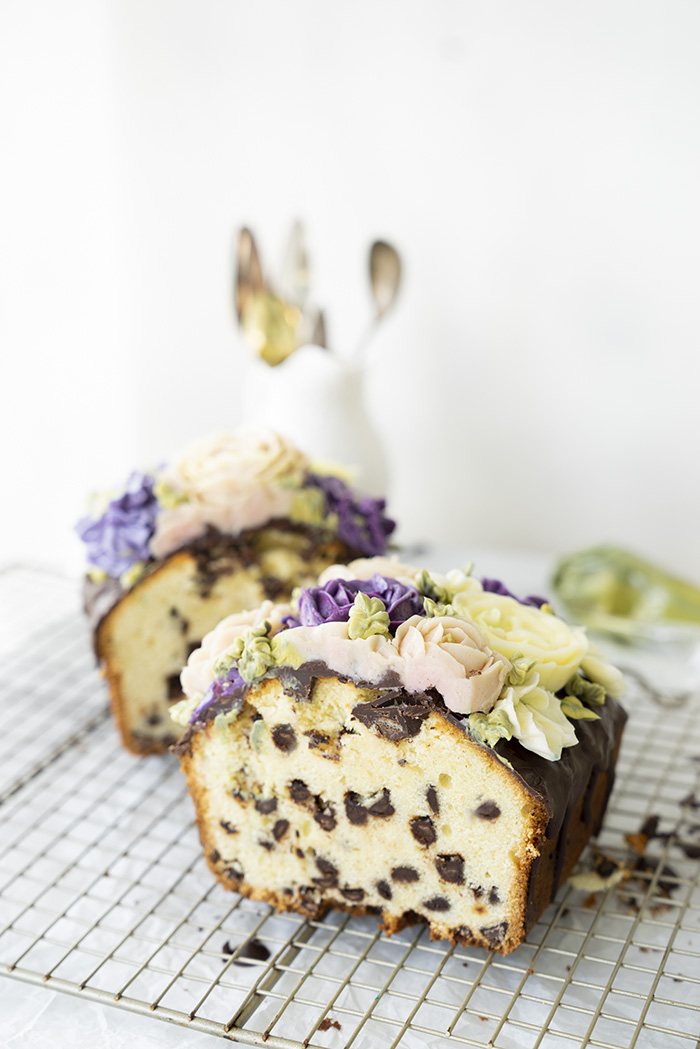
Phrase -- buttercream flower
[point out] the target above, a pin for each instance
(334, 601)
(450, 655)
(536, 719)
(366, 567)
(200, 671)
(362, 523)
(174, 528)
(495, 586)
(231, 481)
(597, 668)
(120, 536)
(512, 628)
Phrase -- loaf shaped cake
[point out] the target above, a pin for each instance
(412, 745)
(240, 518)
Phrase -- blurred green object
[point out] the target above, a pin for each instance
(615, 592)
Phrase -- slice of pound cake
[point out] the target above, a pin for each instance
(240, 518)
(416, 746)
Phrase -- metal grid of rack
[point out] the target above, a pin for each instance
(104, 894)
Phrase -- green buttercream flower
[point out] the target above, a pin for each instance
(368, 616)
(252, 652)
(592, 694)
(574, 709)
(489, 728)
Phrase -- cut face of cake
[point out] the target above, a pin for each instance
(241, 518)
(399, 743)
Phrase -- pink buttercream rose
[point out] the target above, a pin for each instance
(175, 527)
(450, 655)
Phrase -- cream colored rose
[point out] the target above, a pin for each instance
(450, 655)
(537, 720)
(231, 481)
(199, 673)
(512, 628)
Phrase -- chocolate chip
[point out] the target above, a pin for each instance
(284, 738)
(405, 874)
(494, 898)
(298, 791)
(299, 853)
(495, 934)
(153, 719)
(255, 951)
(280, 829)
(228, 827)
(437, 903)
(691, 850)
(488, 810)
(326, 867)
(383, 807)
(451, 868)
(317, 739)
(266, 806)
(234, 871)
(478, 892)
(215, 856)
(266, 845)
(384, 890)
(355, 812)
(389, 722)
(464, 934)
(325, 815)
(432, 798)
(606, 867)
(423, 830)
(354, 895)
(173, 689)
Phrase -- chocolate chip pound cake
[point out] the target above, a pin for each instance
(240, 518)
(420, 747)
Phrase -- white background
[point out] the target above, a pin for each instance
(536, 163)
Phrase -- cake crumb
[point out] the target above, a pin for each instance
(328, 1023)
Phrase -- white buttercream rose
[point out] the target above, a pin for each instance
(231, 481)
(450, 655)
(366, 567)
(199, 673)
(536, 719)
(511, 628)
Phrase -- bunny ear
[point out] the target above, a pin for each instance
(249, 278)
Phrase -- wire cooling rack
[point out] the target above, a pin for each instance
(104, 893)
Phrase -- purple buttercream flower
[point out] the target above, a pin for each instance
(495, 586)
(120, 537)
(333, 602)
(219, 689)
(362, 523)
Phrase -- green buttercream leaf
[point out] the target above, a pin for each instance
(587, 691)
(437, 608)
(427, 587)
(522, 668)
(284, 653)
(489, 728)
(368, 616)
(574, 709)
